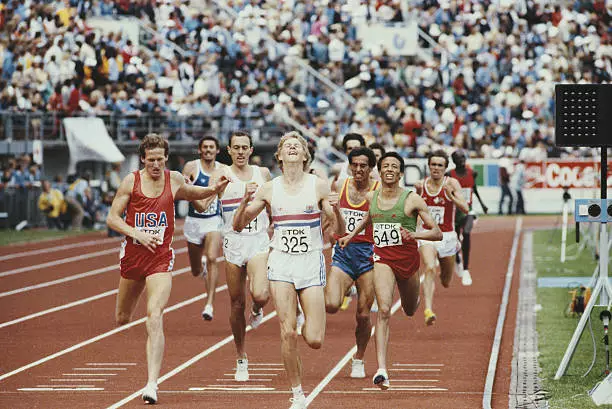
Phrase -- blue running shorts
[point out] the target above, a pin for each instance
(355, 259)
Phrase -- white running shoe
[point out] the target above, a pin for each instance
(358, 369)
(255, 318)
(459, 269)
(381, 379)
(374, 307)
(149, 394)
(466, 278)
(298, 402)
(299, 322)
(207, 313)
(242, 370)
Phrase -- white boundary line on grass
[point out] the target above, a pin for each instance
(188, 363)
(501, 318)
(105, 335)
(328, 378)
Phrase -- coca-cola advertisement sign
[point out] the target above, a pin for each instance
(559, 174)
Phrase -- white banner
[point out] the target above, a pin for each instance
(399, 39)
(88, 139)
(37, 152)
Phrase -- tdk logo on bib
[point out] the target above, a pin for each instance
(151, 220)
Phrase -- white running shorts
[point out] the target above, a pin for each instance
(302, 270)
(238, 248)
(195, 228)
(448, 246)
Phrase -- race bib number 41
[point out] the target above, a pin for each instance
(158, 232)
(387, 234)
(294, 240)
(352, 218)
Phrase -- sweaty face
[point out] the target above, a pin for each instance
(390, 172)
(208, 151)
(360, 168)
(155, 162)
(240, 150)
(437, 167)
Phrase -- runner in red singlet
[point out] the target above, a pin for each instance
(147, 197)
(441, 194)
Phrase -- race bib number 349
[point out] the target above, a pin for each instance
(294, 240)
(387, 234)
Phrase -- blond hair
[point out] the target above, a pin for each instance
(153, 141)
(301, 140)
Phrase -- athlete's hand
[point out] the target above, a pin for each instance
(449, 190)
(333, 198)
(250, 190)
(344, 241)
(221, 184)
(188, 180)
(148, 240)
(407, 235)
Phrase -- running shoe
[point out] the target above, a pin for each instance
(207, 313)
(381, 379)
(242, 370)
(346, 301)
(374, 307)
(430, 317)
(298, 402)
(255, 318)
(466, 278)
(358, 369)
(149, 394)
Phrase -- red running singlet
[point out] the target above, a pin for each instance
(353, 213)
(441, 208)
(153, 215)
(467, 183)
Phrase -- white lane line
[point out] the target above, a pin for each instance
(315, 392)
(79, 380)
(251, 379)
(99, 369)
(61, 261)
(190, 362)
(263, 364)
(265, 369)
(71, 278)
(415, 369)
(422, 389)
(395, 380)
(60, 248)
(235, 386)
(89, 374)
(501, 318)
(244, 388)
(259, 374)
(58, 389)
(112, 363)
(65, 386)
(417, 365)
(75, 303)
(104, 335)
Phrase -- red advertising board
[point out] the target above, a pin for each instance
(555, 174)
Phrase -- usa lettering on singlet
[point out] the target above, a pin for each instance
(296, 218)
(440, 206)
(234, 192)
(203, 179)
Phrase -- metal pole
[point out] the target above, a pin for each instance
(603, 237)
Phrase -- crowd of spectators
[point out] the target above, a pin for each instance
(488, 86)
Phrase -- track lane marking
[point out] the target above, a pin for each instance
(105, 335)
(59, 248)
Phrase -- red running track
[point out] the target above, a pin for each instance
(54, 359)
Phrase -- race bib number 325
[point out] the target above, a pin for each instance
(294, 240)
(387, 234)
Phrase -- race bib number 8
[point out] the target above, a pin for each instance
(295, 240)
(352, 218)
(387, 234)
(437, 212)
(158, 232)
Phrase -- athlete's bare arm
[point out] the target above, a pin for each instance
(485, 209)
(362, 224)
(247, 211)
(418, 187)
(115, 221)
(185, 191)
(453, 191)
(202, 205)
(329, 207)
(415, 205)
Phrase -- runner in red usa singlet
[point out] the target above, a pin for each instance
(152, 215)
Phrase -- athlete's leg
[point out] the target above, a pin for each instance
(312, 300)
(158, 293)
(212, 250)
(285, 303)
(429, 255)
(384, 286)
(409, 293)
(447, 269)
(259, 286)
(127, 298)
(195, 258)
(338, 283)
(236, 287)
(466, 243)
(365, 294)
